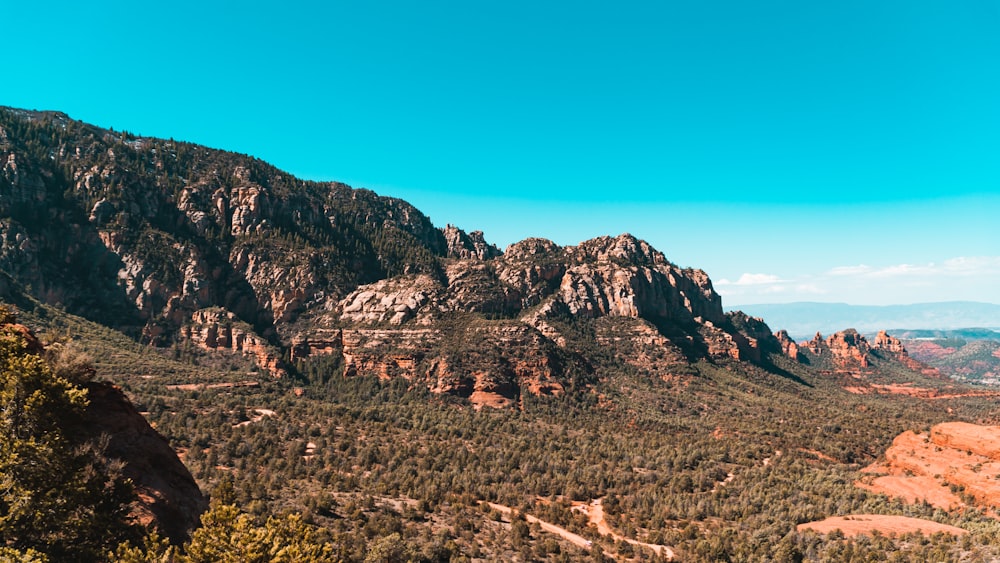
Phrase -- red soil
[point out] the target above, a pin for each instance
(866, 523)
(926, 466)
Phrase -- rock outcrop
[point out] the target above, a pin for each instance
(218, 329)
(848, 350)
(930, 466)
(170, 241)
(787, 344)
(468, 245)
(168, 496)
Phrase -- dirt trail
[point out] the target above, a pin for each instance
(261, 413)
(595, 512)
(567, 535)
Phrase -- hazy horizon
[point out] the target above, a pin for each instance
(795, 152)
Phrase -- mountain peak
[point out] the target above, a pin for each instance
(622, 248)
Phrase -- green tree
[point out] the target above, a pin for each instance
(228, 535)
(58, 494)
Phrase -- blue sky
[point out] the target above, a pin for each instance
(844, 151)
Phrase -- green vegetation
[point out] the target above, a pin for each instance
(719, 460)
(59, 496)
(360, 466)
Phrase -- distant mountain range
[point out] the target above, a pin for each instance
(804, 319)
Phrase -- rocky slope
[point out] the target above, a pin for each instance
(849, 349)
(651, 313)
(974, 361)
(175, 242)
(932, 466)
(168, 496)
(141, 233)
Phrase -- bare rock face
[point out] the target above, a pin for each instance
(218, 329)
(393, 301)
(846, 349)
(492, 365)
(931, 466)
(624, 276)
(849, 348)
(282, 281)
(172, 241)
(890, 344)
(788, 346)
(467, 246)
(168, 496)
(534, 283)
(318, 342)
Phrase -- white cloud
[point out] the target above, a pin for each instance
(971, 278)
(752, 279)
(902, 270)
(810, 289)
(972, 265)
(961, 266)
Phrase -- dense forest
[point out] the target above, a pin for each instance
(721, 464)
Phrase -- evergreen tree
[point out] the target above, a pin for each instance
(58, 494)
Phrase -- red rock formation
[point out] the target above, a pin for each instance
(953, 453)
(168, 496)
(849, 348)
(890, 347)
(493, 366)
(788, 346)
(218, 329)
(319, 342)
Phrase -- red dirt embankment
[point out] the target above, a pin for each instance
(867, 523)
(929, 466)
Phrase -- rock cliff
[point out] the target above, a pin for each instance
(108, 425)
(171, 241)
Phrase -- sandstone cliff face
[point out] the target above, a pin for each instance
(218, 329)
(850, 350)
(173, 241)
(492, 365)
(788, 346)
(400, 326)
(467, 246)
(845, 349)
(168, 496)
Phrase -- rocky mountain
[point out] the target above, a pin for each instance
(322, 355)
(178, 243)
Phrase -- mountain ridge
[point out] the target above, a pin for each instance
(802, 319)
(326, 353)
(174, 242)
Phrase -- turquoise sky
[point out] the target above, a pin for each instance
(839, 151)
